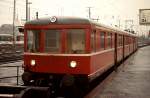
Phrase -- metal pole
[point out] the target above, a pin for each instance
(29, 13)
(29, 10)
(119, 23)
(26, 10)
(14, 14)
(89, 12)
(17, 75)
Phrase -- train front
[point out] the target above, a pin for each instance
(56, 51)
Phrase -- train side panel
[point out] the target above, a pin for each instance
(119, 53)
(101, 62)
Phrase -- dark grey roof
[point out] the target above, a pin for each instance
(72, 20)
(60, 20)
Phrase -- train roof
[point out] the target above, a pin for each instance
(59, 20)
(72, 20)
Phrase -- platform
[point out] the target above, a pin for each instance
(132, 79)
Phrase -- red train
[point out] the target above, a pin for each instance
(67, 51)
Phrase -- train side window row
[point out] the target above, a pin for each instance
(105, 40)
(101, 40)
(74, 42)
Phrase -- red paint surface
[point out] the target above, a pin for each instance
(101, 62)
(25, 40)
(58, 64)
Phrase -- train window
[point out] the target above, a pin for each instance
(33, 40)
(52, 41)
(76, 41)
(120, 41)
(126, 40)
(112, 40)
(109, 40)
(102, 44)
(93, 40)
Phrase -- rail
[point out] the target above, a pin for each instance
(17, 73)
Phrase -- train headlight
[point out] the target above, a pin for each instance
(32, 62)
(73, 64)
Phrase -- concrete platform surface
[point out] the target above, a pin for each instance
(132, 80)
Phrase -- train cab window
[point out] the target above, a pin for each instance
(108, 40)
(52, 41)
(76, 41)
(102, 36)
(33, 37)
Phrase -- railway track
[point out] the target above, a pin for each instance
(7, 60)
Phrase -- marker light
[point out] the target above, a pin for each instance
(32, 62)
(53, 19)
(73, 64)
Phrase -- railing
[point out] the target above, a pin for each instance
(17, 73)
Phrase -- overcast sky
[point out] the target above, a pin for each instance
(108, 11)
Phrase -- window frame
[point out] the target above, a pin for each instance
(109, 40)
(104, 40)
(66, 35)
(44, 43)
(26, 41)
